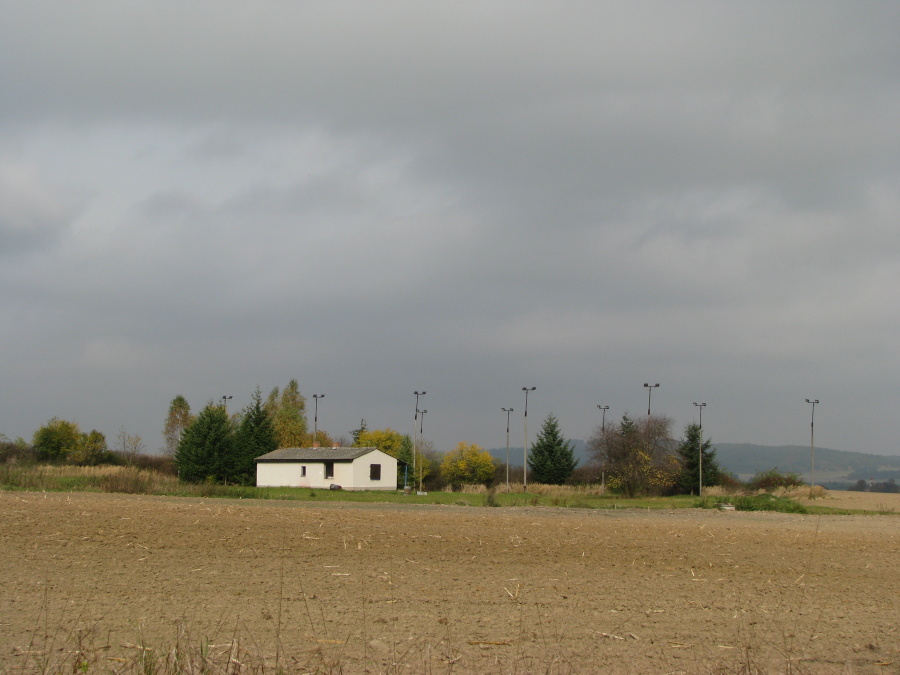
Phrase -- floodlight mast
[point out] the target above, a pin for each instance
(525, 448)
(507, 411)
(417, 394)
(700, 407)
(812, 445)
(604, 408)
(421, 435)
(650, 388)
(315, 442)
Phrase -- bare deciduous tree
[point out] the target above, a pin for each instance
(637, 456)
(130, 445)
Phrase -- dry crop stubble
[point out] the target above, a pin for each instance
(302, 588)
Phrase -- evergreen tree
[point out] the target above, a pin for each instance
(255, 436)
(550, 458)
(359, 430)
(205, 452)
(689, 478)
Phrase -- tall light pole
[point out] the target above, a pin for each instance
(650, 388)
(507, 411)
(700, 407)
(604, 408)
(225, 400)
(416, 424)
(315, 442)
(421, 435)
(525, 448)
(812, 445)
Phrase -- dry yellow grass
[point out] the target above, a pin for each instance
(536, 489)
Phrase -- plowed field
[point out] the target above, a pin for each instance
(93, 582)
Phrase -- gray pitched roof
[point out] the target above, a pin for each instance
(314, 454)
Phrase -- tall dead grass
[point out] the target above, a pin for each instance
(125, 479)
(795, 492)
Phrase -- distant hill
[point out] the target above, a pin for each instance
(746, 459)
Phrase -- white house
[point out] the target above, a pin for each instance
(351, 468)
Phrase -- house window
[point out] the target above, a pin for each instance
(329, 469)
(374, 471)
(302, 472)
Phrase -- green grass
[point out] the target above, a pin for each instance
(131, 480)
(138, 481)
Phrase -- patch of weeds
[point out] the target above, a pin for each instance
(761, 502)
(490, 497)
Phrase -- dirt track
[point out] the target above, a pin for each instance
(448, 589)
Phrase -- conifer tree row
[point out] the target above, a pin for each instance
(213, 447)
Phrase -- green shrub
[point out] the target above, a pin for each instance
(773, 479)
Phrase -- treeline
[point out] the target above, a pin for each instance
(214, 447)
(640, 456)
(20, 452)
(861, 485)
(62, 441)
(632, 457)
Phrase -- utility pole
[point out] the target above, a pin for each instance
(507, 411)
(525, 449)
(700, 407)
(604, 408)
(421, 464)
(315, 442)
(650, 388)
(415, 429)
(812, 445)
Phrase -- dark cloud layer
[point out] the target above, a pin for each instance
(464, 198)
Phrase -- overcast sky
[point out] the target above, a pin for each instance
(464, 198)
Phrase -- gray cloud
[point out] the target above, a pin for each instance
(463, 198)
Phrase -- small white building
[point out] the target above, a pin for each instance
(351, 468)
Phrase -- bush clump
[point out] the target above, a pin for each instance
(771, 480)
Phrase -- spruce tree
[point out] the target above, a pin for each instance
(550, 458)
(205, 450)
(255, 436)
(689, 478)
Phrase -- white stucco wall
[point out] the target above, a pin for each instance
(361, 466)
(350, 476)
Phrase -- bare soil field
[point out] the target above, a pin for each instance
(116, 583)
